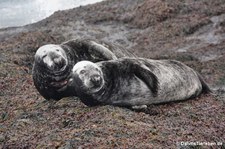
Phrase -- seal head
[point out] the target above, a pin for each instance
(50, 71)
(51, 57)
(88, 76)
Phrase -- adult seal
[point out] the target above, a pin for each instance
(135, 82)
(53, 64)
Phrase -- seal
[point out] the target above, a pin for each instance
(53, 64)
(135, 82)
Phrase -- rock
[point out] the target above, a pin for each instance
(2, 138)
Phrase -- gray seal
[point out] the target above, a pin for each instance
(135, 82)
(53, 64)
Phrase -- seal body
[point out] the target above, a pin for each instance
(53, 64)
(136, 82)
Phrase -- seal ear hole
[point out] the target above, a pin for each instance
(57, 50)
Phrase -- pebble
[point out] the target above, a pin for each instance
(2, 138)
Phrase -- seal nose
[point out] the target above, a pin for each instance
(58, 61)
(96, 79)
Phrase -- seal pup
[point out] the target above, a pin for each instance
(53, 64)
(135, 82)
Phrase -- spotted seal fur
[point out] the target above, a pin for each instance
(135, 82)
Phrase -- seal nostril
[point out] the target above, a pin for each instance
(59, 62)
(92, 79)
(96, 79)
(56, 60)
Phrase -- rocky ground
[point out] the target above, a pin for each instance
(189, 31)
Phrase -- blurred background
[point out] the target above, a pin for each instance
(22, 12)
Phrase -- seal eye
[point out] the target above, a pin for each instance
(57, 50)
(44, 56)
(82, 71)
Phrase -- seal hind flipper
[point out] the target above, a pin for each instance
(205, 88)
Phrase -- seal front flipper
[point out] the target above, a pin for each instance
(87, 49)
(136, 67)
(150, 109)
(146, 75)
(101, 51)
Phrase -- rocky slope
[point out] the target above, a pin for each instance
(190, 31)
